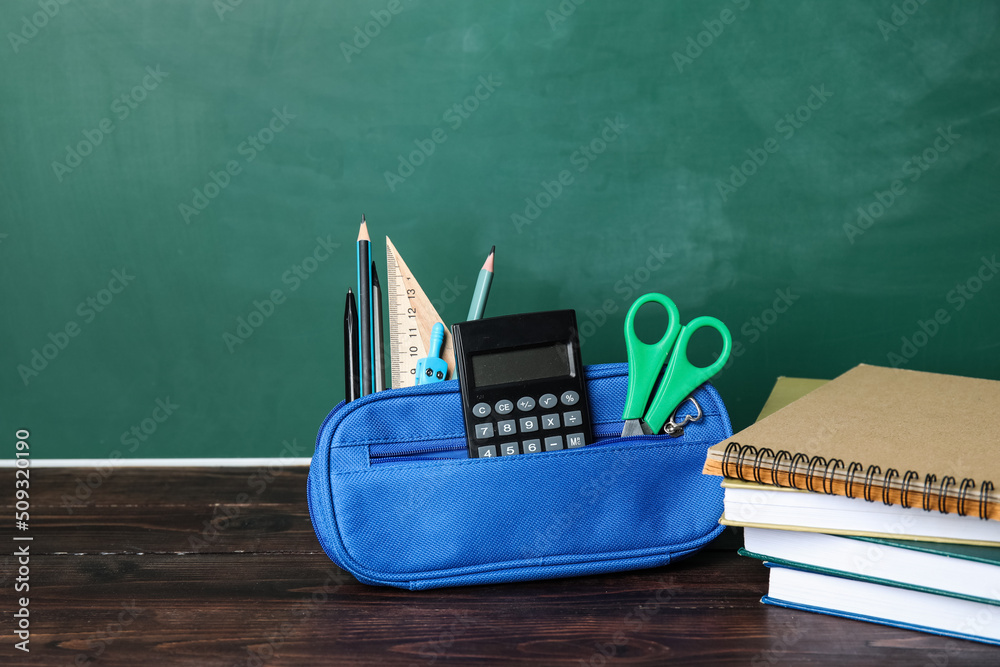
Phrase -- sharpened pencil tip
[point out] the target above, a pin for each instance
(363, 232)
(488, 264)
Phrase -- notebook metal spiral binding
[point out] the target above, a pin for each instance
(942, 499)
(736, 455)
(926, 502)
(761, 453)
(827, 473)
(810, 475)
(869, 477)
(853, 468)
(984, 493)
(777, 462)
(967, 483)
(886, 482)
(905, 491)
(799, 456)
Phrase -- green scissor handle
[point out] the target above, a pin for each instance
(645, 361)
(682, 377)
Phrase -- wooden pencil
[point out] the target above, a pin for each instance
(365, 307)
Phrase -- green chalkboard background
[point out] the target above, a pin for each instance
(652, 108)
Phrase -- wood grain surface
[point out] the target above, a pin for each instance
(221, 567)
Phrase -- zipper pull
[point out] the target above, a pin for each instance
(675, 430)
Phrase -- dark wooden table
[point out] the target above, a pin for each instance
(177, 567)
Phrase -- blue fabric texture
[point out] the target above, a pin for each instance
(395, 500)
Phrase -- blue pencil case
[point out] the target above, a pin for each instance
(395, 500)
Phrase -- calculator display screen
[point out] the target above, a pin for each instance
(522, 365)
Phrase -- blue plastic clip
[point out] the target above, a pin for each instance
(433, 368)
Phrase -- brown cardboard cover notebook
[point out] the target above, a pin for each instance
(897, 436)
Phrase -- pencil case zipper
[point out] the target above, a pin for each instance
(445, 448)
(456, 448)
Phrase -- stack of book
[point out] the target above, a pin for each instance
(871, 497)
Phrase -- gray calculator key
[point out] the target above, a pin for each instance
(507, 427)
(531, 446)
(574, 440)
(570, 398)
(529, 424)
(481, 409)
(484, 431)
(550, 421)
(509, 448)
(573, 418)
(504, 407)
(525, 403)
(547, 400)
(553, 442)
(487, 451)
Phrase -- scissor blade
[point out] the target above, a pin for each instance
(635, 427)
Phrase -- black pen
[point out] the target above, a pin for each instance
(352, 382)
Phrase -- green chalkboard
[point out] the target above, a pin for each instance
(181, 185)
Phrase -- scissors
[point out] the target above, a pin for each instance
(645, 362)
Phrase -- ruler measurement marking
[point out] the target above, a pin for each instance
(411, 318)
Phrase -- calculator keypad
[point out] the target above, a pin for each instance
(559, 429)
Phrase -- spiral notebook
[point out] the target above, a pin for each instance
(891, 435)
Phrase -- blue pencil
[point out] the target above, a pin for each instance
(482, 291)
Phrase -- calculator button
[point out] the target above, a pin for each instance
(570, 398)
(509, 448)
(553, 442)
(484, 431)
(481, 409)
(528, 424)
(573, 418)
(531, 446)
(547, 400)
(507, 427)
(550, 421)
(525, 403)
(487, 451)
(574, 440)
(504, 407)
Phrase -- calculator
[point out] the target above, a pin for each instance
(522, 384)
